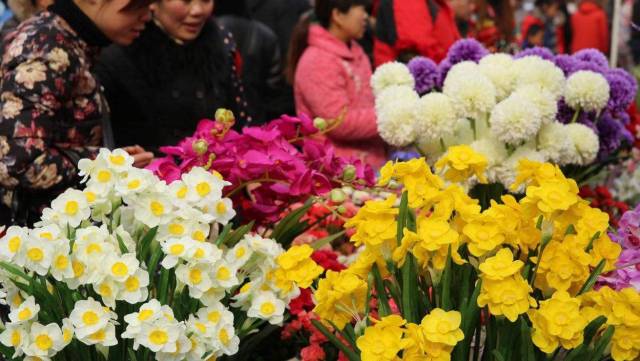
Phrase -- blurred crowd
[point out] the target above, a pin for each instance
(139, 74)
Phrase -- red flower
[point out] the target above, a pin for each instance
(302, 303)
(313, 352)
(328, 260)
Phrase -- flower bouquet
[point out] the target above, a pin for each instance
(568, 110)
(130, 268)
(442, 278)
(269, 168)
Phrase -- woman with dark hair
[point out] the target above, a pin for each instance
(181, 69)
(331, 75)
(53, 110)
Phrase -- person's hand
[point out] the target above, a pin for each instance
(141, 158)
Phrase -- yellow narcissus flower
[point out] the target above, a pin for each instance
(340, 297)
(436, 233)
(296, 265)
(605, 248)
(564, 266)
(509, 297)
(383, 341)
(443, 327)
(552, 197)
(625, 344)
(500, 266)
(532, 173)
(375, 224)
(558, 322)
(421, 349)
(462, 162)
(484, 235)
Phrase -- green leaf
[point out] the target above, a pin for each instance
(526, 344)
(497, 355)
(326, 240)
(164, 282)
(223, 234)
(350, 353)
(121, 244)
(383, 300)
(590, 245)
(290, 220)
(410, 290)
(235, 236)
(145, 243)
(578, 353)
(602, 344)
(593, 277)
(402, 216)
(16, 271)
(445, 284)
(592, 329)
(153, 263)
(132, 355)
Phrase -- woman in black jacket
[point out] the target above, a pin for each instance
(181, 69)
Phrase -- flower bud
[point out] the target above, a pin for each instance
(349, 173)
(337, 196)
(200, 146)
(341, 209)
(225, 116)
(320, 123)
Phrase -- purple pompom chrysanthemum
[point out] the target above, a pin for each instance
(425, 72)
(565, 114)
(611, 134)
(466, 49)
(544, 53)
(586, 65)
(592, 56)
(443, 70)
(566, 63)
(623, 88)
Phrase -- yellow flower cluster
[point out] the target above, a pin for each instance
(376, 225)
(622, 310)
(340, 297)
(558, 322)
(432, 340)
(417, 178)
(462, 162)
(295, 266)
(503, 288)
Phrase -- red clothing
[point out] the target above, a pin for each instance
(532, 19)
(331, 77)
(407, 26)
(590, 28)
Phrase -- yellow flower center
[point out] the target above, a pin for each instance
(267, 308)
(105, 290)
(176, 229)
(443, 327)
(47, 236)
(66, 335)
(62, 262)
(132, 284)
(14, 244)
(94, 248)
(44, 342)
(24, 314)
(157, 208)
(214, 316)
(35, 254)
(562, 319)
(16, 338)
(224, 336)
(199, 253)
(144, 315)
(117, 159)
(198, 236)
(182, 192)
(176, 249)
(203, 188)
(158, 337)
(134, 184)
(78, 268)
(71, 208)
(221, 208)
(223, 274)
(240, 252)
(104, 176)
(90, 318)
(119, 269)
(90, 196)
(195, 276)
(98, 336)
(200, 326)
(245, 288)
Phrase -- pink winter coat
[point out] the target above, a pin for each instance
(330, 77)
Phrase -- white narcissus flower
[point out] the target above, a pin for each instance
(44, 341)
(107, 289)
(12, 243)
(148, 313)
(67, 331)
(183, 347)
(159, 336)
(395, 115)
(225, 275)
(223, 211)
(48, 233)
(27, 311)
(535, 70)
(15, 336)
(135, 289)
(226, 340)
(473, 94)
(542, 99)
(102, 177)
(587, 90)
(204, 188)
(265, 246)
(71, 207)
(267, 306)
(499, 69)
(554, 143)
(120, 268)
(174, 250)
(61, 267)
(196, 277)
(515, 120)
(38, 256)
(215, 315)
(153, 208)
(88, 317)
(117, 160)
(133, 181)
(585, 144)
(178, 227)
(391, 74)
(435, 117)
(104, 337)
(212, 296)
(203, 252)
(239, 254)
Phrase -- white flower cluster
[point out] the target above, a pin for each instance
(93, 241)
(503, 107)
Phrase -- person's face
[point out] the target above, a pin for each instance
(551, 10)
(120, 24)
(353, 23)
(182, 19)
(537, 38)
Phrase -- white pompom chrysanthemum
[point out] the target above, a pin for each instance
(499, 69)
(542, 99)
(395, 115)
(494, 151)
(473, 94)
(390, 74)
(535, 70)
(554, 143)
(435, 116)
(515, 120)
(585, 144)
(587, 90)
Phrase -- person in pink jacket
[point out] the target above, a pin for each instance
(331, 76)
